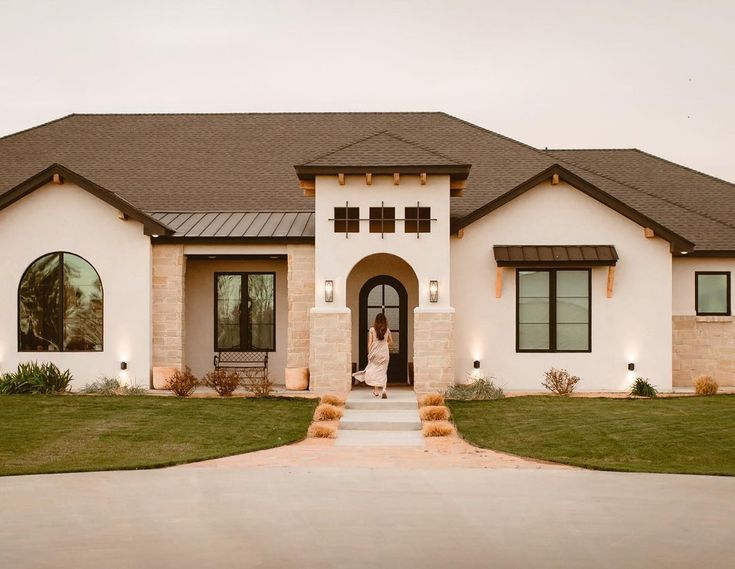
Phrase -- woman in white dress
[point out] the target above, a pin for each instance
(379, 343)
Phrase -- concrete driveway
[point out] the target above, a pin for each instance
(363, 517)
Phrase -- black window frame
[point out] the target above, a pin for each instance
(60, 269)
(248, 331)
(346, 219)
(552, 311)
(415, 221)
(382, 219)
(729, 293)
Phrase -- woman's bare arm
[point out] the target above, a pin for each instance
(390, 338)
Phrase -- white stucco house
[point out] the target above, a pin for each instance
(135, 244)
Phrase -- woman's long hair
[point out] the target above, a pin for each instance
(380, 325)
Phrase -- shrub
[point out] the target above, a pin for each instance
(431, 399)
(438, 429)
(223, 381)
(705, 385)
(258, 384)
(559, 381)
(32, 377)
(327, 412)
(332, 400)
(643, 388)
(112, 386)
(434, 413)
(480, 389)
(322, 431)
(182, 383)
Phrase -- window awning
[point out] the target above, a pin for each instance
(541, 256)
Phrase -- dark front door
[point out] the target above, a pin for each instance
(387, 295)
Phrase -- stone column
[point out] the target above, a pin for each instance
(433, 349)
(300, 302)
(169, 271)
(330, 350)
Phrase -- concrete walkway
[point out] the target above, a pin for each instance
(366, 518)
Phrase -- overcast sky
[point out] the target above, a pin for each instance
(657, 75)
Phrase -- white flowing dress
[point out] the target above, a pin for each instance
(376, 372)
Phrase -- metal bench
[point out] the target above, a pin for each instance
(251, 365)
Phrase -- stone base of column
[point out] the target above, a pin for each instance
(330, 350)
(433, 349)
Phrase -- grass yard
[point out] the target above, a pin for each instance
(688, 435)
(41, 434)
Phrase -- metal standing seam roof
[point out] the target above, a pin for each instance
(247, 224)
(520, 255)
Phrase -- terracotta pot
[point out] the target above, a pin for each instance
(297, 378)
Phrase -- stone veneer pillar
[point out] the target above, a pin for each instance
(330, 350)
(703, 345)
(300, 302)
(433, 349)
(169, 271)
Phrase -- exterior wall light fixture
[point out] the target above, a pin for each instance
(476, 364)
(123, 365)
(433, 291)
(631, 366)
(328, 291)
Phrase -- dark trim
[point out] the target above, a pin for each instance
(151, 226)
(215, 257)
(678, 242)
(706, 253)
(556, 264)
(454, 171)
(243, 313)
(165, 240)
(552, 313)
(696, 293)
(61, 349)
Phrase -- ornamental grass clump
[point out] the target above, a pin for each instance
(438, 429)
(258, 384)
(560, 381)
(481, 389)
(431, 399)
(434, 413)
(32, 377)
(327, 412)
(643, 388)
(332, 400)
(182, 383)
(705, 385)
(223, 381)
(322, 431)
(111, 386)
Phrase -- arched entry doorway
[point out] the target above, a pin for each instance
(386, 294)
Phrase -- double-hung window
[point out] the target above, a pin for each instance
(712, 290)
(245, 312)
(553, 310)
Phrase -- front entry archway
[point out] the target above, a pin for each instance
(386, 294)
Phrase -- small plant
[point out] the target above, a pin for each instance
(434, 413)
(438, 429)
(327, 412)
(258, 384)
(431, 399)
(322, 431)
(332, 400)
(112, 386)
(560, 381)
(32, 377)
(482, 389)
(182, 383)
(223, 381)
(642, 388)
(705, 385)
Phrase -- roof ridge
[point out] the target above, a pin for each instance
(263, 113)
(710, 176)
(588, 149)
(352, 143)
(492, 132)
(636, 188)
(52, 121)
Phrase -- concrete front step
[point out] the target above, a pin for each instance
(381, 404)
(376, 420)
(380, 438)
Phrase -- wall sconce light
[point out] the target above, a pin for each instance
(631, 366)
(433, 291)
(123, 365)
(476, 364)
(328, 291)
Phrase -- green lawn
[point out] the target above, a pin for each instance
(692, 435)
(40, 434)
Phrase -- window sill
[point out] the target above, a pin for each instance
(719, 319)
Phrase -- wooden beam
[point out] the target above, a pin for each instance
(457, 184)
(369, 179)
(610, 280)
(58, 179)
(308, 187)
(460, 233)
(498, 282)
(422, 177)
(649, 233)
(122, 216)
(341, 178)
(554, 179)
(396, 178)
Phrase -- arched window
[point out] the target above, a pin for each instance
(60, 305)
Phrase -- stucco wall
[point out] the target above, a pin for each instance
(199, 338)
(632, 326)
(67, 218)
